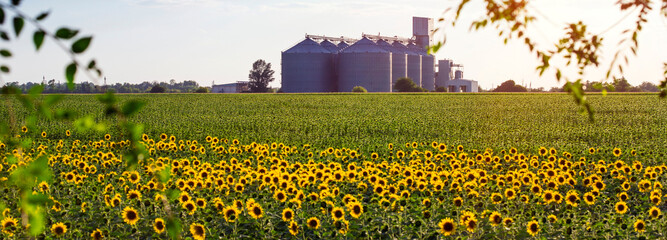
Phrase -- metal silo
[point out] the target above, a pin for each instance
(414, 64)
(308, 67)
(398, 61)
(342, 45)
(364, 64)
(428, 71)
(329, 46)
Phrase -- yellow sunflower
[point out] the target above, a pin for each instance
(97, 235)
(640, 226)
(159, 225)
(130, 215)
(621, 207)
(313, 223)
(59, 229)
(355, 209)
(533, 227)
(293, 228)
(495, 219)
(256, 211)
(337, 214)
(198, 231)
(447, 226)
(288, 215)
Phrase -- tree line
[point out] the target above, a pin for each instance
(51, 86)
(618, 85)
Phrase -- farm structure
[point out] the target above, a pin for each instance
(375, 62)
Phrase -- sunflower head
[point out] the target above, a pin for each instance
(533, 228)
(230, 213)
(293, 228)
(159, 225)
(640, 226)
(495, 219)
(447, 226)
(288, 215)
(337, 214)
(198, 231)
(130, 215)
(621, 207)
(313, 223)
(97, 235)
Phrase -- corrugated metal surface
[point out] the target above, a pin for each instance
(428, 72)
(444, 73)
(414, 64)
(365, 64)
(308, 67)
(399, 65)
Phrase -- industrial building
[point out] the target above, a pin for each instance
(237, 87)
(375, 62)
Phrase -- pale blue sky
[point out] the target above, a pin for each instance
(217, 40)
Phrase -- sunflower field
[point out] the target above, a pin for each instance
(372, 168)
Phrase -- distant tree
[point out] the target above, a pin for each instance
(648, 87)
(622, 85)
(406, 84)
(202, 90)
(441, 89)
(260, 76)
(359, 89)
(510, 86)
(158, 89)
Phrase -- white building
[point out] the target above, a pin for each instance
(237, 87)
(453, 80)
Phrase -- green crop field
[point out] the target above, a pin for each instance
(345, 166)
(366, 121)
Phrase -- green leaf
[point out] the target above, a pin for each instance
(81, 45)
(5, 53)
(108, 98)
(66, 33)
(92, 64)
(69, 75)
(35, 90)
(4, 69)
(132, 107)
(38, 39)
(2, 16)
(37, 199)
(16, 2)
(4, 35)
(174, 227)
(18, 25)
(52, 99)
(42, 16)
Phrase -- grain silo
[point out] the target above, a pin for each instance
(414, 64)
(329, 46)
(428, 72)
(364, 64)
(398, 60)
(308, 67)
(342, 45)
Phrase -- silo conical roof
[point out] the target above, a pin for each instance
(329, 46)
(307, 46)
(399, 47)
(416, 49)
(364, 45)
(387, 46)
(342, 45)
